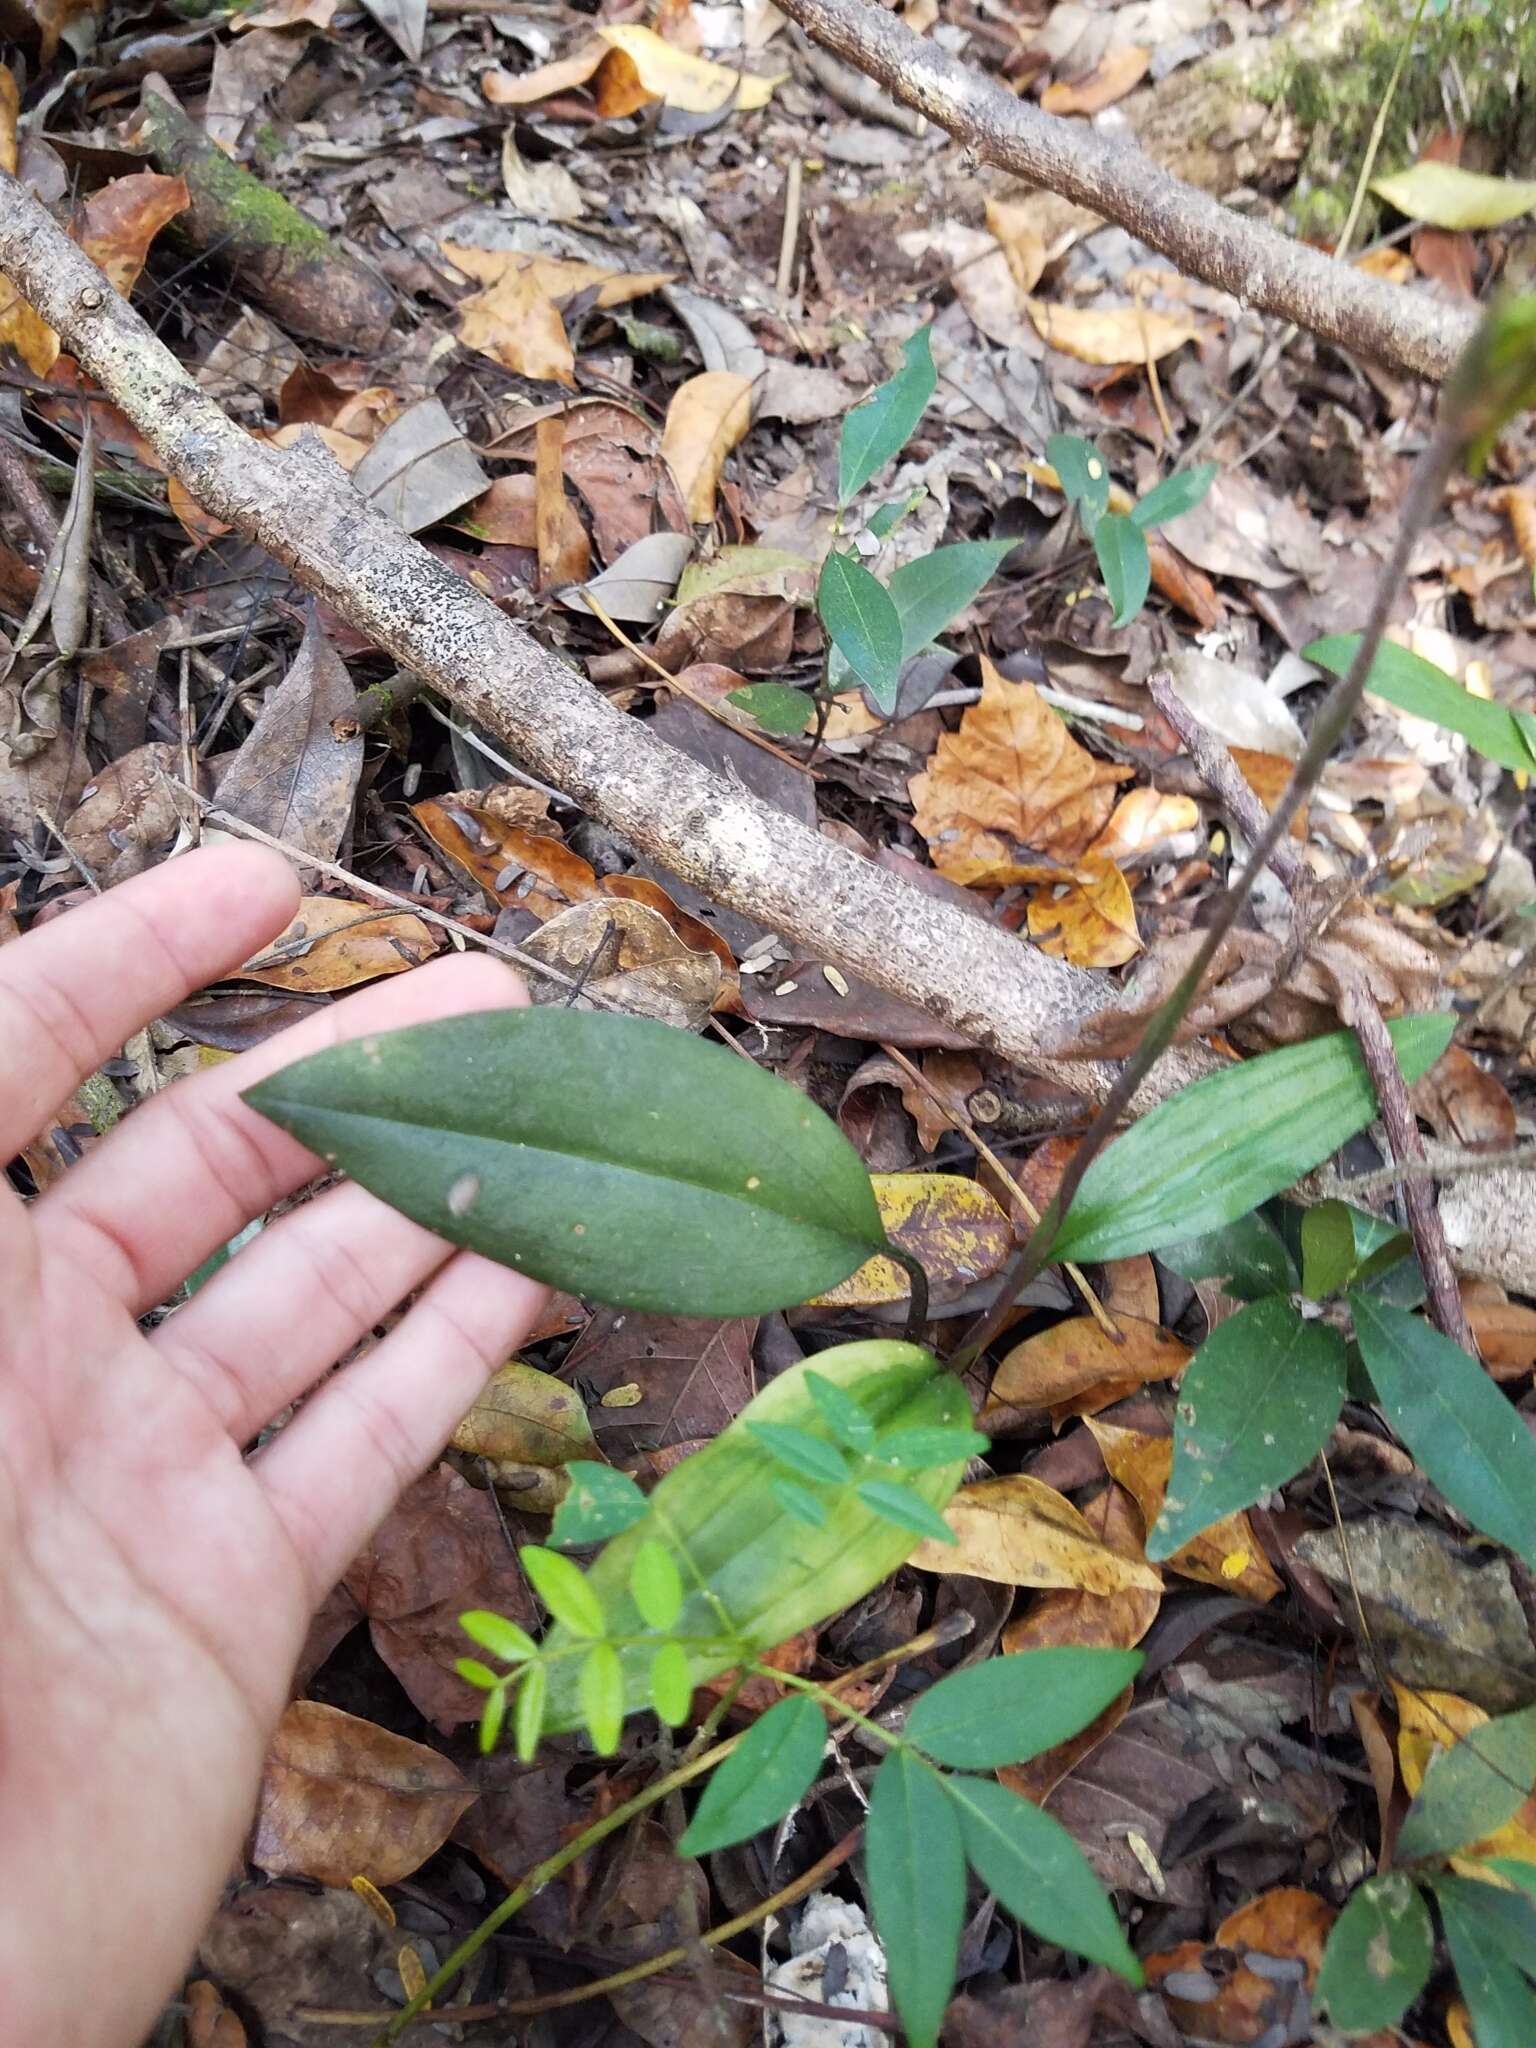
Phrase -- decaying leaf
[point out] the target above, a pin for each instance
(1110, 334)
(707, 417)
(1019, 1533)
(293, 775)
(1078, 1354)
(949, 1224)
(1089, 919)
(1227, 1554)
(335, 942)
(528, 1425)
(1240, 2001)
(124, 217)
(628, 954)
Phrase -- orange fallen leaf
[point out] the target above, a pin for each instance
(511, 864)
(1183, 584)
(565, 554)
(124, 217)
(693, 84)
(707, 417)
(1227, 1554)
(1018, 1532)
(1089, 920)
(1142, 819)
(1117, 71)
(1077, 1354)
(516, 324)
(1110, 335)
(503, 515)
(1250, 2005)
(335, 943)
(1505, 1333)
(544, 81)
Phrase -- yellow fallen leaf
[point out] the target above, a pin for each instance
(526, 1417)
(1017, 1532)
(692, 84)
(1142, 1463)
(707, 417)
(1110, 334)
(949, 1223)
(26, 332)
(557, 277)
(514, 323)
(1089, 920)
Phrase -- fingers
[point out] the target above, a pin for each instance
(187, 1171)
(71, 993)
(292, 1302)
(339, 1467)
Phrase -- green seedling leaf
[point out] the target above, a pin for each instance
(863, 625)
(800, 1502)
(1011, 1708)
(846, 1420)
(503, 1638)
(492, 1719)
(602, 1697)
(474, 1673)
(601, 1502)
(655, 1585)
(905, 1510)
(1084, 476)
(1425, 691)
(1468, 1437)
(1257, 1402)
(528, 1714)
(811, 1457)
(1174, 496)
(880, 428)
(608, 1155)
(1446, 196)
(1225, 1144)
(776, 707)
(671, 1684)
(1500, 2002)
(753, 1574)
(764, 1778)
(883, 523)
(1379, 1955)
(915, 1869)
(936, 588)
(1517, 1871)
(1509, 1922)
(1124, 563)
(563, 1589)
(1248, 1257)
(913, 1450)
(1328, 1256)
(1038, 1873)
(1472, 1788)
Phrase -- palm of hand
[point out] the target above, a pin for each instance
(155, 1585)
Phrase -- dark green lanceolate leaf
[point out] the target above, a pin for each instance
(600, 1504)
(563, 1589)
(1038, 1873)
(1225, 1144)
(503, 1638)
(1248, 1257)
(1417, 686)
(602, 1697)
(608, 1155)
(1174, 496)
(880, 428)
(1124, 563)
(862, 623)
(936, 588)
(776, 707)
(655, 1585)
(1509, 1924)
(1468, 1437)
(1501, 2003)
(1008, 1709)
(1473, 1787)
(808, 1456)
(1328, 1257)
(904, 1509)
(1084, 476)
(767, 1774)
(910, 1450)
(1378, 1956)
(738, 1545)
(849, 1425)
(1256, 1404)
(915, 1865)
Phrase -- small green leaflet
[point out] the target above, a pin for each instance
(799, 1502)
(1446, 196)
(1420, 688)
(842, 1414)
(905, 1510)
(600, 1503)
(1008, 1709)
(655, 1585)
(863, 625)
(767, 1774)
(528, 1714)
(1467, 1435)
(474, 1673)
(1500, 2002)
(503, 1638)
(915, 1866)
(1084, 476)
(1472, 1788)
(671, 1684)
(1225, 1144)
(1379, 1954)
(563, 1589)
(1174, 496)
(880, 428)
(1124, 563)
(776, 707)
(491, 1720)
(1257, 1402)
(809, 1457)
(602, 1697)
(884, 522)
(1248, 1257)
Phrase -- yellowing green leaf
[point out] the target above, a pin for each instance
(949, 1224)
(1446, 196)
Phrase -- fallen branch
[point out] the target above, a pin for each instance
(1261, 267)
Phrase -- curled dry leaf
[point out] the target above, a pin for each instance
(1089, 920)
(1144, 819)
(1110, 335)
(124, 217)
(631, 956)
(1226, 1555)
(343, 1798)
(544, 81)
(1017, 1532)
(692, 84)
(1078, 1354)
(1116, 73)
(335, 943)
(953, 1077)
(528, 1426)
(949, 1224)
(707, 417)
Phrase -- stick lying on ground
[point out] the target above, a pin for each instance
(1395, 324)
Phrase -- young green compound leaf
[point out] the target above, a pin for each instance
(1038, 1873)
(1225, 1144)
(799, 1502)
(528, 1713)
(1420, 688)
(1467, 1435)
(1257, 1402)
(862, 623)
(1378, 1956)
(904, 1509)
(1248, 1257)
(655, 1585)
(841, 1412)
(1083, 475)
(600, 1504)
(491, 1720)
(913, 1450)
(810, 1457)
(1008, 1709)
(503, 1638)
(671, 1684)
(563, 1589)
(767, 1774)
(879, 428)
(712, 1189)
(474, 1673)
(1500, 2002)
(1124, 563)
(1174, 496)
(915, 1866)
(776, 707)
(602, 1697)
(1472, 1788)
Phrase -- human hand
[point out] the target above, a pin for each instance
(155, 1585)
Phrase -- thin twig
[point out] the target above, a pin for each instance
(1439, 1162)
(793, 181)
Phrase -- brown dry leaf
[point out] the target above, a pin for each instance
(949, 1224)
(295, 775)
(695, 1375)
(707, 417)
(1089, 920)
(1505, 1330)
(199, 526)
(1287, 1925)
(1268, 776)
(1011, 221)
(124, 217)
(342, 1797)
(695, 934)
(1110, 335)
(693, 84)
(565, 554)
(1037, 1778)
(557, 277)
(503, 516)
(1143, 819)
(286, 14)
(129, 812)
(1428, 1722)
(1116, 73)
(511, 864)
(1183, 584)
(1464, 1104)
(1017, 1532)
(210, 2023)
(628, 954)
(516, 324)
(1010, 783)
(1128, 1287)
(954, 1078)
(1078, 1354)
(335, 943)
(544, 81)
(1094, 1621)
(1226, 1555)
